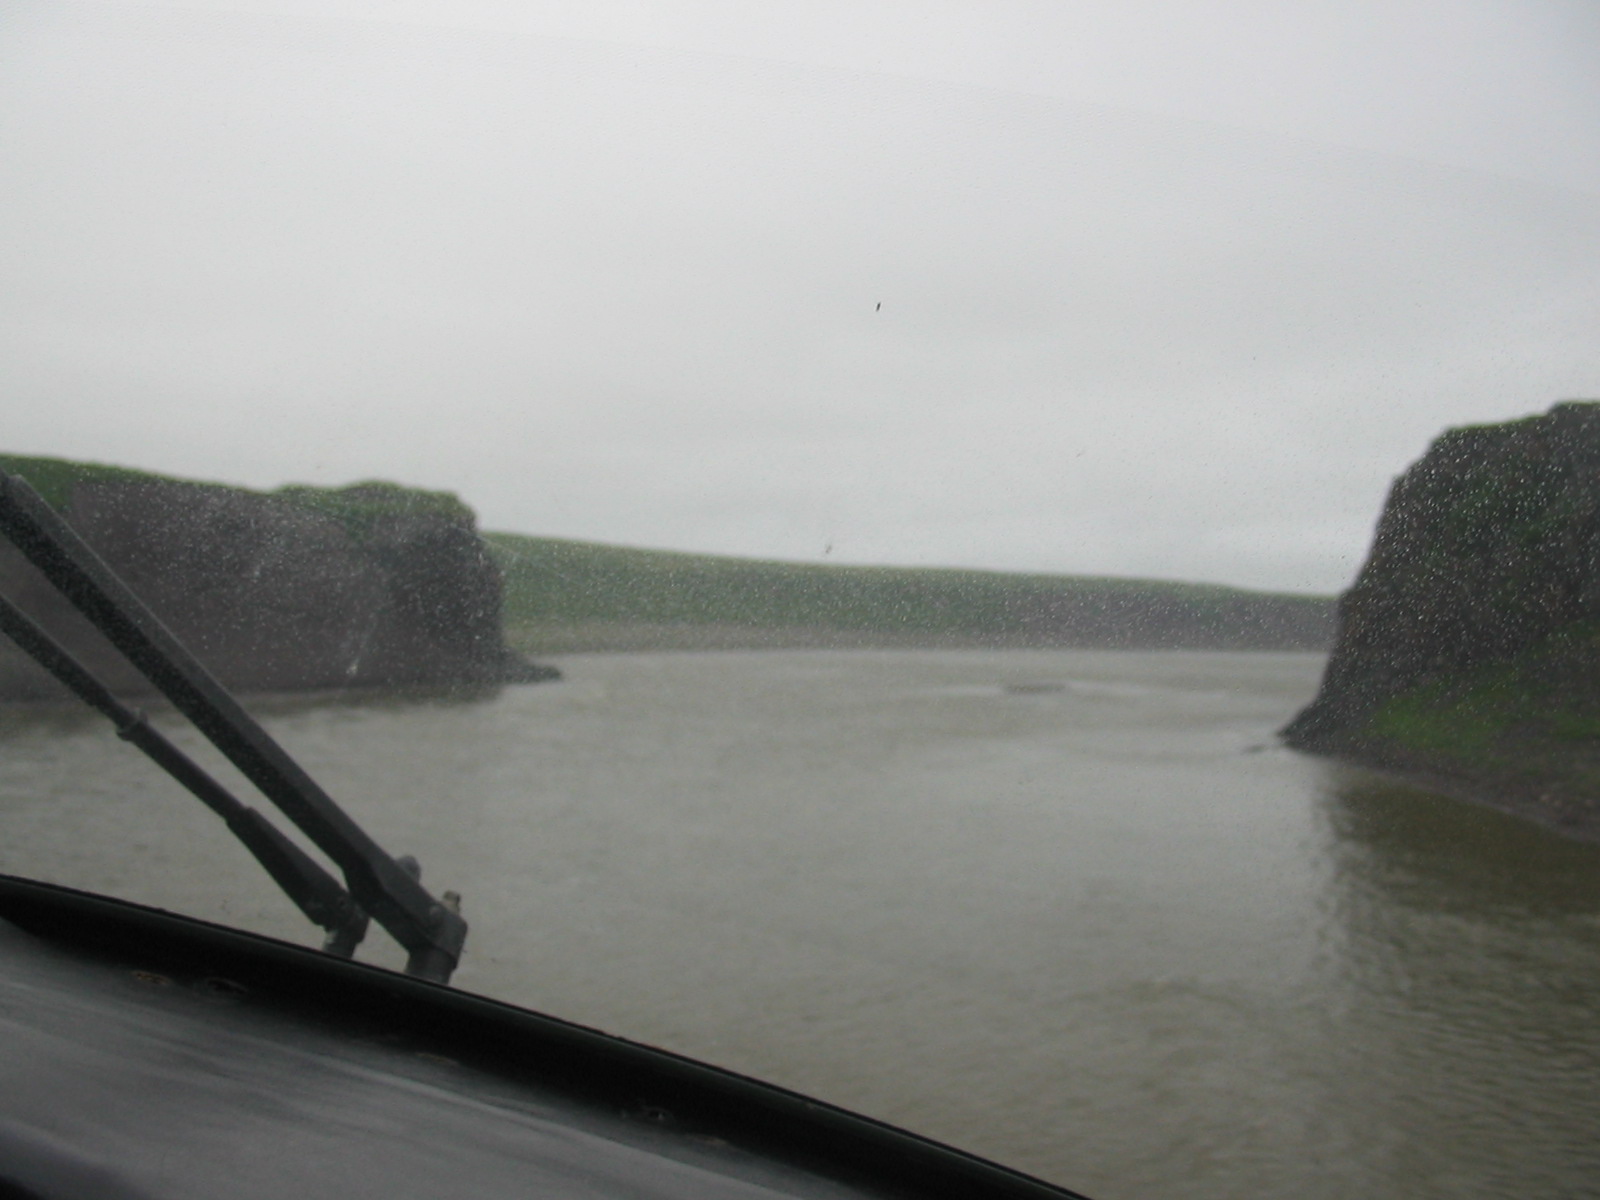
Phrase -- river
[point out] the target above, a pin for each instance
(1072, 910)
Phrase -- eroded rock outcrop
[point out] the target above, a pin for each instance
(1469, 644)
(369, 586)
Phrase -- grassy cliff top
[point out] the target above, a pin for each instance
(54, 478)
(359, 503)
(355, 505)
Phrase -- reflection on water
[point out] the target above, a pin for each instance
(1073, 910)
(1425, 851)
(1470, 984)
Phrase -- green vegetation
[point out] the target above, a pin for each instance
(563, 594)
(1536, 717)
(356, 506)
(54, 478)
(359, 505)
(1465, 728)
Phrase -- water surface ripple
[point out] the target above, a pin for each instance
(1075, 911)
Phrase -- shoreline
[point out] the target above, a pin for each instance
(1546, 802)
(601, 637)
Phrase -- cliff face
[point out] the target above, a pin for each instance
(364, 587)
(1468, 643)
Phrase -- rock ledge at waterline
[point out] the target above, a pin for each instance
(304, 588)
(1468, 649)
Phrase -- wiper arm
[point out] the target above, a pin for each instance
(430, 931)
(314, 891)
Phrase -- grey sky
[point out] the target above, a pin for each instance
(1174, 295)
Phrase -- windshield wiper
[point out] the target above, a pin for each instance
(314, 891)
(430, 930)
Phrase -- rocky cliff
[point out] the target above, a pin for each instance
(367, 586)
(1468, 648)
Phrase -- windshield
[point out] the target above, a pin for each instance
(786, 363)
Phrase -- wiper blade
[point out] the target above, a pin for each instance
(315, 892)
(431, 932)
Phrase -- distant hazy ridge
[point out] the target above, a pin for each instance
(567, 595)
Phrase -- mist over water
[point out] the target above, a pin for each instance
(1075, 911)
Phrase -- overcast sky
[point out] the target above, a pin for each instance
(1166, 289)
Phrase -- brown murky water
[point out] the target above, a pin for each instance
(1071, 910)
